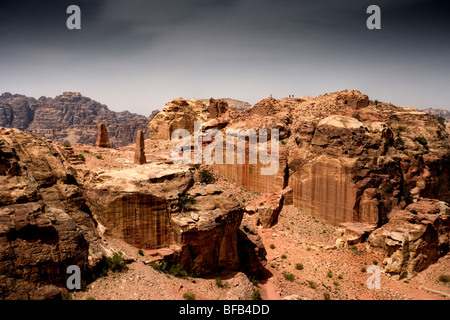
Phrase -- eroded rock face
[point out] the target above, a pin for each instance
(178, 114)
(158, 205)
(45, 225)
(69, 117)
(139, 152)
(414, 238)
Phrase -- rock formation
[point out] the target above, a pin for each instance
(139, 153)
(70, 117)
(217, 108)
(345, 157)
(414, 238)
(45, 225)
(160, 206)
(102, 137)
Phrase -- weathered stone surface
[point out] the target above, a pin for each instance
(102, 137)
(414, 238)
(240, 288)
(252, 253)
(217, 108)
(70, 117)
(139, 152)
(155, 205)
(45, 225)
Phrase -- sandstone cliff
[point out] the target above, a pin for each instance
(70, 117)
(346, 158)
(45, 225)
(158, 205)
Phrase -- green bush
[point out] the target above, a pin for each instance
(283, 142)
(283, 256)
(299, 266)
(80, 156)
(312, 284)
(340, 277)
(423, 141)
(272, 246)
(206, 177)
(66, 144)
(256, 294)
(444, 278)
(326, 296)
(184, 201)
(90, 298)
(357, 116)
(330, 274)
(374, 262)
(363, 269)
(116, 262)
(141, 252)
(99, 156)
(188, 296)
(376, 102)
(398, 142)
(219, 282)
(441, 120)
(288, 276)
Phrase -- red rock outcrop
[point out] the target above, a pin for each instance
(139, 152)
(102, 137)
(45, 225)
(158, 205)
(414, 238)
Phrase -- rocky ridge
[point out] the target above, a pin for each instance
(69, 117)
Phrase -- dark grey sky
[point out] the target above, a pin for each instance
(138, 55)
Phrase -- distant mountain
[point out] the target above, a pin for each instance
(70, 117)
(439, 113)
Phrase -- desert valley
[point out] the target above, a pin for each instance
(361, 184)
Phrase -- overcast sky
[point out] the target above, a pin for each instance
(138, 55)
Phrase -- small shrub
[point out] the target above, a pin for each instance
(81, 156)
(261, 204)
(141, 252)
(206, 177)
(398, 142)
(256, 295)
(423, 141)
(86, 151)
(376, 102)
(99, 156)
(90, 298)
(243, 200)
(66, 144)
(67, 296)
(283, 142)
(283, 256)
(272, 246)
(444, 278)
(116, 263)
(353, 248)
(375, 262)
(188, 296)
(413, 211)
(340, 277)
(308, 249)
(219, 282)
(312, 284)
(197, 166)
(272, 265)
(330, 274)
(336, 284)
(288, 276)
(184, 201)
(363, 269)
(357, 116)
(299, 266)
(441, 120)
(326, 296)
